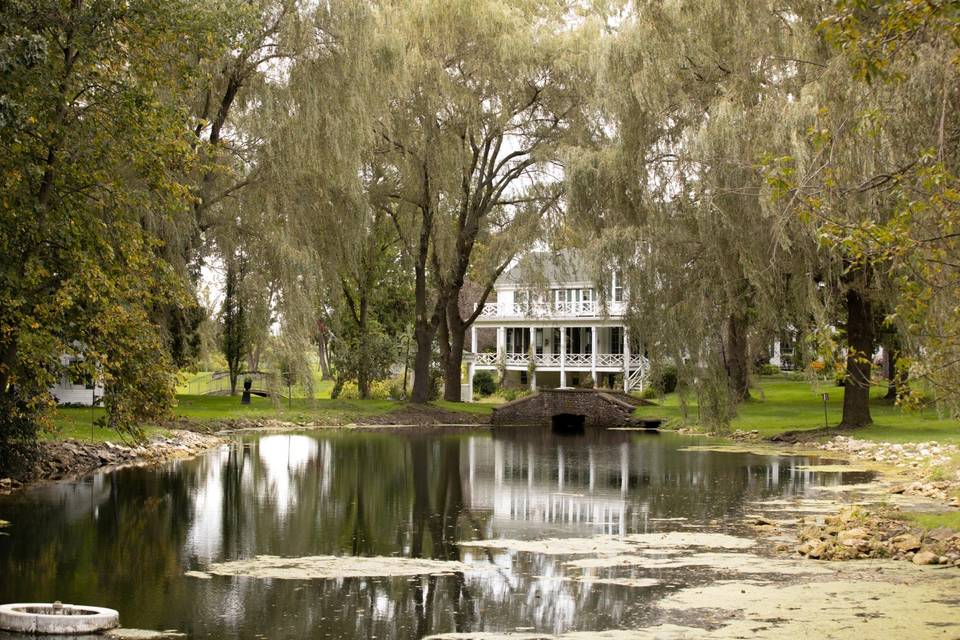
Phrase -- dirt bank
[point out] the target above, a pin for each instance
(410, 417)
(60, 459)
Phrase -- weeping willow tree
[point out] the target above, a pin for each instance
(874, 165)
(316, 189)
(487, 94)
(675, 197)
(441, 120)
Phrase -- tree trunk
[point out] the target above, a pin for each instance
(453, 362)
(424, 326)
(337, 387)
(323, 356)
(896, 380)
(363, 371)
(423, 335)
(860, 339)
(737, 356)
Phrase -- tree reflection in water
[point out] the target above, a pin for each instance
(125, 539)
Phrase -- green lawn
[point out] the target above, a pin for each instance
(190, 383)
(780, 404)
(478, 408)
(949, 519)
(78, 422)
(78, 425)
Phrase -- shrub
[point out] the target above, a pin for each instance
(649, 393)
(767, 369)
(513, 394)
(586, 383)
(484, 384)
(665, 379)
(379, 390)
(397, 392)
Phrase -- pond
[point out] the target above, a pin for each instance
(155, 543)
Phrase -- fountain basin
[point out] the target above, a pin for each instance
(56, 618)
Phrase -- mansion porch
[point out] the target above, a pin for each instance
(562, 355)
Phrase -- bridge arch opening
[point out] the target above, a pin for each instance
(568, 422)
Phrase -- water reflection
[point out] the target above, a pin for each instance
(126, 538)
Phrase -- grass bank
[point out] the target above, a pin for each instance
(79, 423)
(782, 404)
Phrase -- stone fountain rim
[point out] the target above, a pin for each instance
(13, 618)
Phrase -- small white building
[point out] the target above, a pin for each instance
(547, 308)
(71, 389)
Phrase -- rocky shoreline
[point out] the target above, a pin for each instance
(856, 534)
(56, 460)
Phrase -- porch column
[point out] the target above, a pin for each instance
(470, 371)
(593, 355)
(501, 342)
(532, 353)
(563, 356)
(626, 359)
(472, 363)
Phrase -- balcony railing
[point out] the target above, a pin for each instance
(578, 360)
(548, 310)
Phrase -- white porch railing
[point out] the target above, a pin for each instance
(578, 360)
(551, 310)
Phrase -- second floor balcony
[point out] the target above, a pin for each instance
(551, 310)
(553, 360)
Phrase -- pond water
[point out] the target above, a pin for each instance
(127, 539)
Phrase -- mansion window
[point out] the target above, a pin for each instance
(579, 340)
(616, 340)
(573, 295)
(518, 340)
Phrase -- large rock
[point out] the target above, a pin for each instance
(853, 537)
(906, 542)
(925, 557)
(940, 534)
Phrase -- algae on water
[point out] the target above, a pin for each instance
(326, 567)
(635, 543)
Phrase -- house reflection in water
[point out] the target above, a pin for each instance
(614, 482)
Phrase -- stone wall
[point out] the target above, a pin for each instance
(599, 408)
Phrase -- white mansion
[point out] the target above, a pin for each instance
(547, 308)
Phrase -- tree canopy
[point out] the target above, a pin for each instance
(362, 172)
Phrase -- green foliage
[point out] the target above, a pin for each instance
(875, 35)
(649, 393)
(510, 394)
(94, 161)
(675, 201)
(397, 390)
(877, 170)
(370, 354)
(483, 383)
(767, 369)
(379, 390)
(664, 379)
